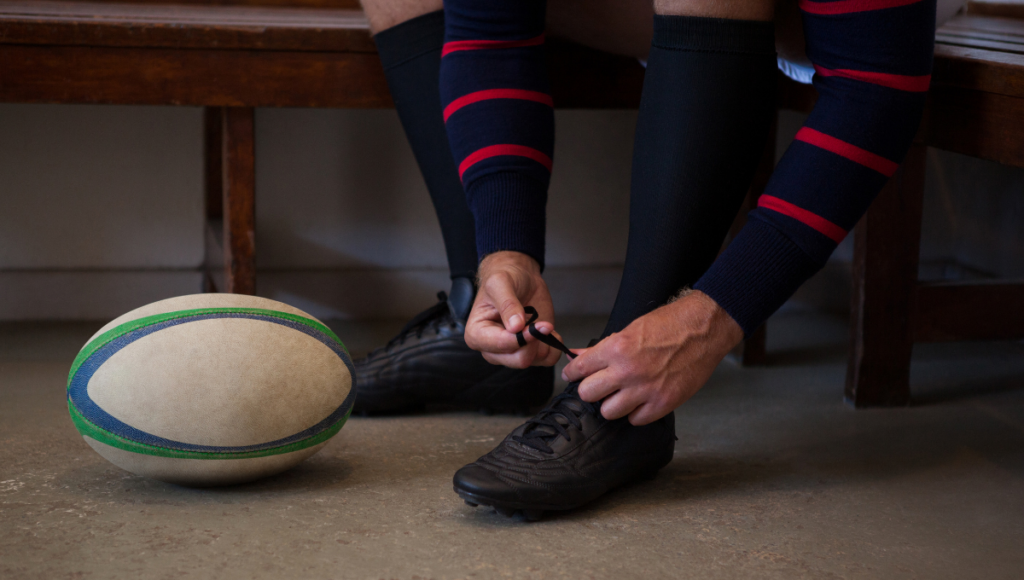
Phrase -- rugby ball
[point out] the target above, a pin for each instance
(211, 389)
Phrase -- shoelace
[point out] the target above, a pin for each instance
(568, 406)
(433, 317)
(545, 338)
(546, 426)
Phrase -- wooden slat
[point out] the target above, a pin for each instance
(1008, 8)
(174, 26)
(969, 311)
(581, 78)
(339, 4)
(978, 70)
(984, 24)
(39, 74)
(979, 124)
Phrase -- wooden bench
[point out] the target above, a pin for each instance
(230, 59)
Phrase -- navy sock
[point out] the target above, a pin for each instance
(411, 55)
(499, 116)
(706, 111)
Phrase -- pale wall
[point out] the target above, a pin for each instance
(101, 211)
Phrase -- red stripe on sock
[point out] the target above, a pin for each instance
(496, 94)
(496, 150)
(457, 45)
(844, 149)
(848, 6)
(913, 84)
(813, 220)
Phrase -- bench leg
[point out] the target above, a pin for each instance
(885, 261)
(239, 199)
(213, 127)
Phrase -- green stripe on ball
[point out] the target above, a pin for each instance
(121, 330)
(90, 430)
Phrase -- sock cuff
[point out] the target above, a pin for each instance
(758, 271)
(701, 34)
(410, 39)
(509, 211)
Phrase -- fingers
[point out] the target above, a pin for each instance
(551, 356)
(620, 404)
(647, 413)
(589, 361)
(490, 336)
(502, 293)
(598, 386)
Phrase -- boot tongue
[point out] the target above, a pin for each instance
(460, 299)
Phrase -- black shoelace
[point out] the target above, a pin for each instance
(545, 338)
(434, 317)
(563, 411)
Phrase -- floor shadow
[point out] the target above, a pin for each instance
(314, 474)
(959, 392)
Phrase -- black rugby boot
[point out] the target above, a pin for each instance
(428, 363)
(564, 457)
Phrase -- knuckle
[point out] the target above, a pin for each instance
(615, 347)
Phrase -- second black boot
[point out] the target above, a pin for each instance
(428, 363)
(566, 456)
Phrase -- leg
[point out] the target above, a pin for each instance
(384, 14)
(409, 35)
(704, 119)
(239, 206)
(885, 260)
(428, 362)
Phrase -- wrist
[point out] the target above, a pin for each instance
(700, 314)
(506, 259)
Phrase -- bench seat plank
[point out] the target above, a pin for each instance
(62, 74)
(45, 22)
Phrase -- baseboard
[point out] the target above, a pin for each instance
(88, 294)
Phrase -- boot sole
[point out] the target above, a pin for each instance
(534, 512)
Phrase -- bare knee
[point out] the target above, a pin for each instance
(384, 14)
(735, 9)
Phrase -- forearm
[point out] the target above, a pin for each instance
(499, 118)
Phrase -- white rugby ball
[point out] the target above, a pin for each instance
(211, 389)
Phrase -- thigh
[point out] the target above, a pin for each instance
(384, 14)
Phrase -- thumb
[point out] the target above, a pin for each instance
(503, 296)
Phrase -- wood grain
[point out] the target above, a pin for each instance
(988, 310)
(239, 166)
(232, 78)
(180, 27)
(885, 259)
(976, 123)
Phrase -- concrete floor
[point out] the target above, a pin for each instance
(774, 477)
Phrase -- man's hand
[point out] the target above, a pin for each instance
(658, 362)
(508, 281)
